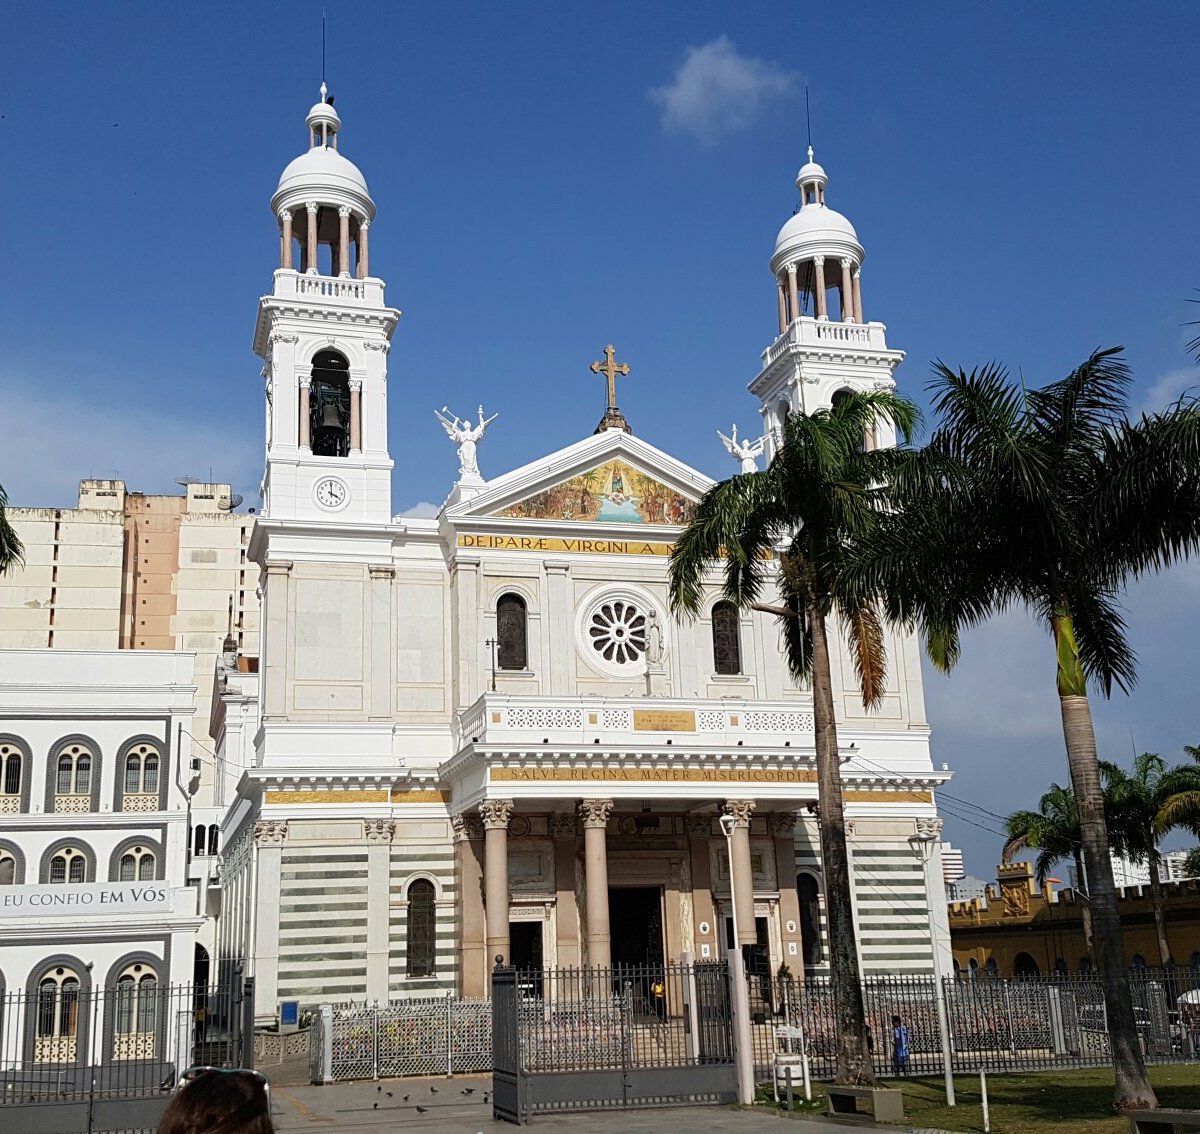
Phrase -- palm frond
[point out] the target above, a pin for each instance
(1100, 632)
(864, 633)
(12, 552)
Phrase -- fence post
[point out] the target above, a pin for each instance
(375, 1040)
(739, 997)
(326, 1044)
(691, 1015)
(943, 1018)
(248, 1023)
(449, 1034)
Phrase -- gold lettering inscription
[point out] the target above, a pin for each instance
(657, 775)
(574, 546)
(289, 798)
(664, 720)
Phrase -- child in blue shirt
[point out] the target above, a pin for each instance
(899, 1046)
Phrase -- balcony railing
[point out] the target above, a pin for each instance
(809, 332)
(499, 719)
(290, 284)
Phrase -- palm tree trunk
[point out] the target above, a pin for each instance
(1133, 1090)
(1085, 910)
(1160, 917)
(853, 1062)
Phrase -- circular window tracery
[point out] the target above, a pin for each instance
(617, 630)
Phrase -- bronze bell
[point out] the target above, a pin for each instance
(330, 416)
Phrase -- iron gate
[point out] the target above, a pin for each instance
(594, 1039)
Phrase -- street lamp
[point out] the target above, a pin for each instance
(923, 841)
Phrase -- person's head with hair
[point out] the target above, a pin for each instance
(213, 1101)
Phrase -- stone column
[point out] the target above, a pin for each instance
(305, 422)
(556, 627)
(473, 964)
(783, 831)
(595, 813)
(495, 814)
(364, 263)
(847, 292)
(858, 315)
(783, 319)
(285, 251)
(793, 291)
(311, 256)
(355, 414)
(344, 241)
(378, 835)
(740, 872)
(275, 640)
(564, 829)
(819, 276)
(269, 835)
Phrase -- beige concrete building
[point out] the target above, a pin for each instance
(129, 571)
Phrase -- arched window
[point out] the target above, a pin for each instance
(993, 969)
(141, 779)
(68, 865)
(198, 840)
(214, 837)
(11, 766)
(809, 894)
(1060, 966)
(329, 405)
(421, 932)
(1085, 964)
(8, 869)
(136, 1016)
(511, 639)
(1138, 962)
(57, 1017)
(73, 780)
(136, 865)
(727, 649)
(972, 968)
(1025, 965)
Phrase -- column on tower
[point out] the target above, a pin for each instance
(285, 250)
(355, 414)
(344, 240)
(819, 273)
(847, 292)
(363, 261)
(305, 425)
(310, 255)
(858, 314)
(495, 814)
(783, 319)
(793, 290)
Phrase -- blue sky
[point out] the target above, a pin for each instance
(550, 178)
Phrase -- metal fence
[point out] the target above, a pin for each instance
(588, 1039)
(80, 1059)
(437, 1036)
(1019, 1024)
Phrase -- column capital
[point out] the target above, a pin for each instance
(467, 827)
(782, 822)
(495, 813)
(344, 211)
(355, 385)
(595, 812)
(278, 567)
(312, 207)
(740, 809)
(305, 382)
(285, 215)
(857, 273)
(363, 224)
(819, 261)
(381, 570)
(845, 261)
(792, 268)
(929, 826)
(564, 825)
(270, 832)
(699, 826)
(379, 830)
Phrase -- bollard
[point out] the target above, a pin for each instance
(983, 1093)
(789, 1087)
(807, 1076)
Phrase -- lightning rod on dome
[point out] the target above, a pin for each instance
(808, 119)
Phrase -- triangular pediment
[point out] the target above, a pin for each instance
(610, 479)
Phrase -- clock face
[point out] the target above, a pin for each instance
(331, 493)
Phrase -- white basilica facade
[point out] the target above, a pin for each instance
(410, 810)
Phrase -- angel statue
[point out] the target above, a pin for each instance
(747, 452)
(465, 436)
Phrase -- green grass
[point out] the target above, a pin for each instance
(1049, 1102)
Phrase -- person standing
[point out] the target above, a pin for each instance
(899, 1046)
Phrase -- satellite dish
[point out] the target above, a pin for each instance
(228, 503)
(185, 480)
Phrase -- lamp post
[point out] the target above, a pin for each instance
(923, 841)
(739, 993)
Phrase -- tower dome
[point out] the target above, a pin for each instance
(816, 250)
(322, 199)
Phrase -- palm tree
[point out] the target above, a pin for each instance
(821, 491)
(1050, 499)
(1147, 803)
(11, 551)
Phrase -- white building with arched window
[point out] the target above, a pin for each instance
(94, 765)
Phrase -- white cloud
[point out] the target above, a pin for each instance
(58, 439)
(1168, 388)
(716, 91)
(422, 511)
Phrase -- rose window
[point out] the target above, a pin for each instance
(617, 631)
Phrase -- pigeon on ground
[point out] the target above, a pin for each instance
(374, 1106)
(379, 1088)
(389, 1094)
(406, 1098)
(433, 1090)
(468, 1090)
(422, 1109)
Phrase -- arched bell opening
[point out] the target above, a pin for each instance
(329, 405)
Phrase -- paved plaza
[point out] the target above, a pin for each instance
(445, 1107)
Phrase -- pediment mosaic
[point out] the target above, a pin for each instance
(613, 492)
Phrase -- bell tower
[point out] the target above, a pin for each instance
(824, 344)
(323, 334)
